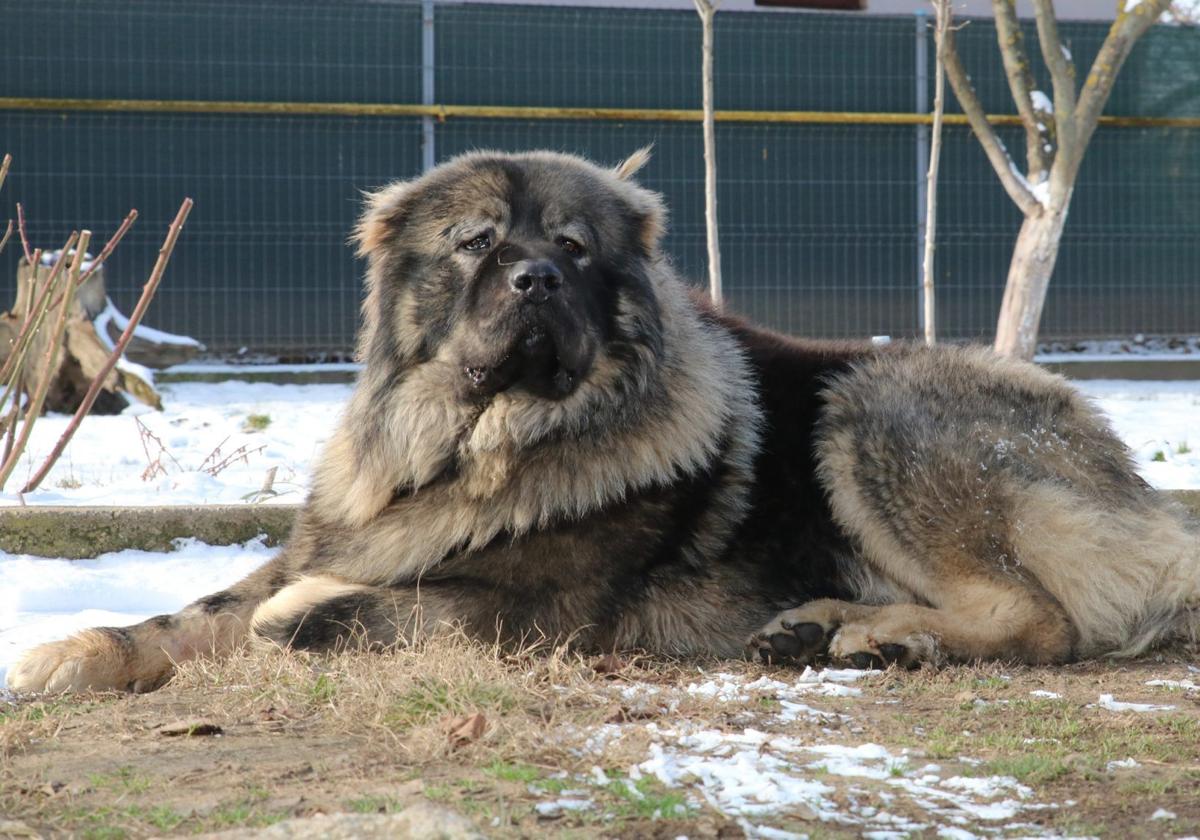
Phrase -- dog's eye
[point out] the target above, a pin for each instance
(479, 243)
(570, 246)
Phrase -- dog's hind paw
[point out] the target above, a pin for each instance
(93, 659)
(866, 647)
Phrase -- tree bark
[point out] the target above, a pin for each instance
(1034, 255)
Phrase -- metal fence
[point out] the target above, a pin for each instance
(820, 220)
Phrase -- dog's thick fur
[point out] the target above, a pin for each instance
(553, 437)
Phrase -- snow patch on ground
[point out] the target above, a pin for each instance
(1107, 702)
(106, 460)
(42, 599)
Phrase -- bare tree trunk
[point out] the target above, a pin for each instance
(708, 11)
(1044, 197)
(944, 15)
(1034, 255)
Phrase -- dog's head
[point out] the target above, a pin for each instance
(516, 273)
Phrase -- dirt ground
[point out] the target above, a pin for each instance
(548, 744)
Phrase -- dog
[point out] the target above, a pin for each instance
(554, 436)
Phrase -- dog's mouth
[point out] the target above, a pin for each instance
(538, 360)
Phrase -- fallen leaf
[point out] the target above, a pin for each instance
(189, 727)
(609, 664)
(463, 730)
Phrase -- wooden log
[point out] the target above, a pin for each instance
(92, 327)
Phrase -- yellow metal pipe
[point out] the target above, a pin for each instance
(442, 112)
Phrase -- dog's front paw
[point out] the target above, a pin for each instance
(93, 659)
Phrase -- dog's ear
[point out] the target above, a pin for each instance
(383, 215)
(634, 163)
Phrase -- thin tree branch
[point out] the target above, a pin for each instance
(49, 365)
(4, 167)
(24, 236)
(1122, 35)
(10, 434)
(1039, 134)
(135, 318)
(110, 245)
(1062, 74)
(1015, 185)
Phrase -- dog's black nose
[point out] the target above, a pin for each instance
(535, 280)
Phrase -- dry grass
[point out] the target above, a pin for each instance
(373, 732)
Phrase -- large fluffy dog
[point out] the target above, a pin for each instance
(553, 437)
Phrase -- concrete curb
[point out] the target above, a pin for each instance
(1118, 367)
(79, 533)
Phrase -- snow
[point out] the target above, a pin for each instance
(1131, 5)
(148, 333)
(1107, 702)
(1159, 421)
(105, 462)
(46, 599)
(49, 258)
(1041, 102)
(1049, 695)
(1186, 685)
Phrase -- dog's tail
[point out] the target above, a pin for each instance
(1172, 617)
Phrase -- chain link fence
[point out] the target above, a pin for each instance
(820, 221)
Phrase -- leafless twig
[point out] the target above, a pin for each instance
(135, 318)
(110, 245)
(24, 235)
(154, 464)
(216, 467)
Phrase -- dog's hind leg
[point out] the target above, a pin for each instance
(977, 618)
(143, 656)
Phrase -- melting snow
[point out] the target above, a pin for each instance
(1107, 702)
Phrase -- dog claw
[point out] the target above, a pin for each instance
(866, 661)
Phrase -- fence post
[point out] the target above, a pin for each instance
(428, 155)
(921, 106)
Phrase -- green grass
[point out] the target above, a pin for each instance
(323, 689)
(1183, 448)
(646, 798)
(509, 772)
(256, 422)
(1029, 769)
(125, 779)
(1043, 740)
(434, 698)
(374, 805)
(1158, 456)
